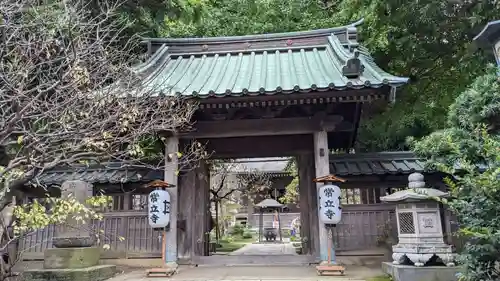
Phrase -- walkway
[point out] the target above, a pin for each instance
(265, 249)
(254, 273)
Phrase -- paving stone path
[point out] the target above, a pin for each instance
(250, 273)
(265, 249)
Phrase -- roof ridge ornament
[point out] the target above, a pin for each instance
(353, 68)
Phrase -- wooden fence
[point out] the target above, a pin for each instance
(125, 228)
(127, 233)
(362, 226)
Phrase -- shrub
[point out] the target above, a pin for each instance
(237, 230)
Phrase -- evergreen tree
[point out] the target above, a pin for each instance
(469, 150)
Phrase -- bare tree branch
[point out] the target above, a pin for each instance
(69, 94)
(248, 182)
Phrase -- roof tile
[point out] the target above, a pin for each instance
(375, 163)
(228, 69)
(99, 175)
(340, 165)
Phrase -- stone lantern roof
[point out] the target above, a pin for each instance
(269, 203)
(416, 191)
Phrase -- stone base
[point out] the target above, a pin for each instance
(68, 258)
(94, 273)
(73, 242)
(426, 273)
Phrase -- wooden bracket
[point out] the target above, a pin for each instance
(329, 178)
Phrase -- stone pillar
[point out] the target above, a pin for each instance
(322, 166)
(75, 233)
(170, 176)
(74, 257)
(250, 209)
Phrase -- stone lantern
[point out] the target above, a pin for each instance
(270, 233)
(420, 230)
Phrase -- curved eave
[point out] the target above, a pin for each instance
(285, 92)
(484, 37)
(252, 38)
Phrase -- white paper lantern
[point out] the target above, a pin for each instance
(159, 208)
(330, 211)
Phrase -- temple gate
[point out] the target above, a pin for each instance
(296, 94)
(290, 94)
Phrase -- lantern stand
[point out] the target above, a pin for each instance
(273, 205)
(163, 271)
(329, 267)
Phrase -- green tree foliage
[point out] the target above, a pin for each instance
(242, 17)
(292, 189)
(428, 41)
(469, 150)
(152, 17)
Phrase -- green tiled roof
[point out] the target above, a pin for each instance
(380, 163)
(319, 60)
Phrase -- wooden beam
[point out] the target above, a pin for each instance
(263, 146)
(266, 127)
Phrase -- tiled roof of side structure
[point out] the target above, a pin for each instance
(382, 163)
(101, 175)
(318, 60)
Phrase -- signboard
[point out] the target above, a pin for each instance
(330, 211)
(159, 208)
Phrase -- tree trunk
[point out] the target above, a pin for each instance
(217, 226)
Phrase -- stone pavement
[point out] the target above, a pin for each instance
(265, 249)
(254, 273)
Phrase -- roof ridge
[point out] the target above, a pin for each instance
(255, 37)
(386, 155)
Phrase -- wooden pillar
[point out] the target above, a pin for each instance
(308, 214)
(208, 213)
(186, 186)
(170, 176)
(201, 203)
(322, 166)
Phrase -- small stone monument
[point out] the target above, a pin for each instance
(74, 256)
(420, 234)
